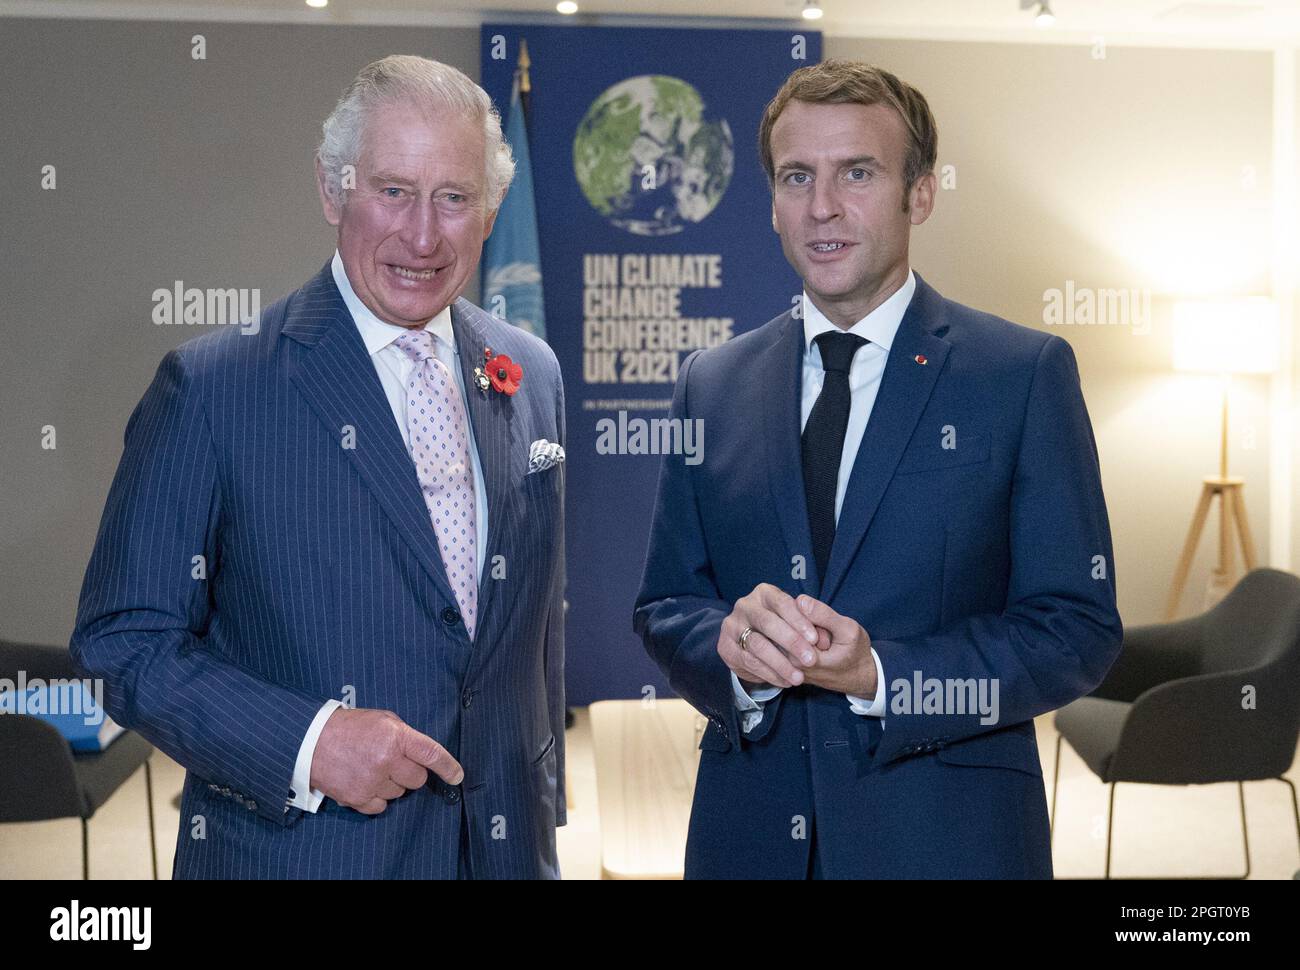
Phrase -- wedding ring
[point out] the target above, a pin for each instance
(744, 638)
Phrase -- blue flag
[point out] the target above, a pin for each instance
(512, 265)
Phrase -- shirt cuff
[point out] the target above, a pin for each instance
(304, 796)
(751, 705)
(876, 706)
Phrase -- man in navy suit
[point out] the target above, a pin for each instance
(897, 553)
(329, 576)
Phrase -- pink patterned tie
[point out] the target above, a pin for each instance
(439, 441)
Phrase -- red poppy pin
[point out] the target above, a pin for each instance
(499, 372)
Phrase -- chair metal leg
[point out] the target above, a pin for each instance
(1295, 807)
(1110, 818)
(85, 850)
(1245, 839)
(1056, 783)
(153, 840)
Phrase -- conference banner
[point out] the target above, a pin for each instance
(655, 238)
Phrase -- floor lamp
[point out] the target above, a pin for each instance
(1222, 337)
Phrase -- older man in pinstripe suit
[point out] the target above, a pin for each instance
(329, 578)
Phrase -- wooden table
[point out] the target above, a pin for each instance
(646, 758)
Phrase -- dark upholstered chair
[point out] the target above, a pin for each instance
(41, 777)
(1208, 699)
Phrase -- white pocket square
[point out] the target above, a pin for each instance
(543, 454)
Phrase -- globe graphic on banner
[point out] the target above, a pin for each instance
(647, 157)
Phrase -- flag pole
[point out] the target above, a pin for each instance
(521, 74)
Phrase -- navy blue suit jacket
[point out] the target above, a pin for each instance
(990, 559)
(324, 577)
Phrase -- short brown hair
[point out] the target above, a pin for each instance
(852, 82)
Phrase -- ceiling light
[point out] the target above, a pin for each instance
(812, 10)
(566, 7)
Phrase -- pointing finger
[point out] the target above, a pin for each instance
(423, 750)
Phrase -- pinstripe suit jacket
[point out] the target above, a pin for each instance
(275, 457)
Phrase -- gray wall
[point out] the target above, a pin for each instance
(1127, 172)
(168, 169)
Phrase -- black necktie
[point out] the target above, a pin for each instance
(823, 441)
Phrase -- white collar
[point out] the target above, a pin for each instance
(376, 333)
(878, 326)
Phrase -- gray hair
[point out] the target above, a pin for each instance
(419, 80)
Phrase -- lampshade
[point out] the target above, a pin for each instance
(1237, 336)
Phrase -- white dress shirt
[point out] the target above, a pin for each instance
(394, 369)
(865, 373)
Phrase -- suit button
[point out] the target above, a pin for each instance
(252, 806)
(466, 698)
(450, 616)
(452, 796)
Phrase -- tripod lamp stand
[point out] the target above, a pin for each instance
(1222, 337)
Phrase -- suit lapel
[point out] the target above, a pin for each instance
(779, 382)
(501, 456)
(904, 391)
(337, 378)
